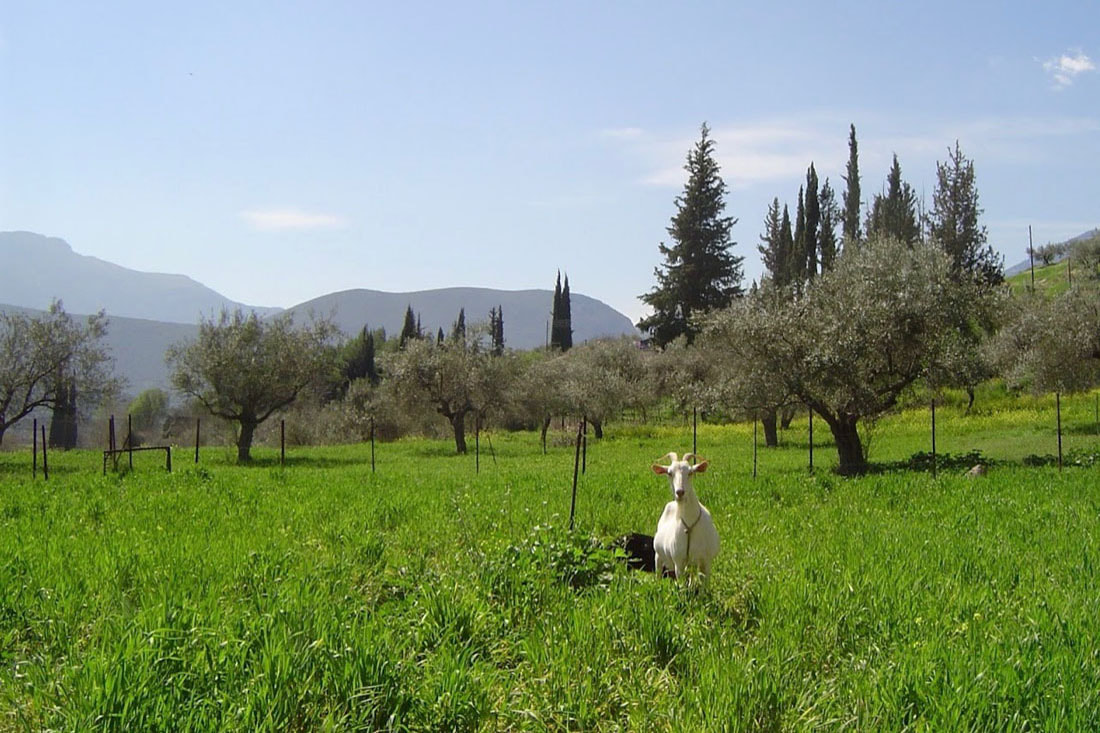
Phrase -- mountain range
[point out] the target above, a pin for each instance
(150, 311)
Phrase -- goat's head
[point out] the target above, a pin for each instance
(679, 473)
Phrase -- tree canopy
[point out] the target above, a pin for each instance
(853, 339)
(45, 359)
(699, 273)
(245, 369)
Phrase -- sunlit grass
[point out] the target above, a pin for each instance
(428, 597)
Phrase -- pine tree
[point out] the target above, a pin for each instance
(954, 224)
(409, 329)
(813, 220)
(773, 249)
(439, 337)
(699, 274)
(851, 191)
(827, 244)
(894, 214)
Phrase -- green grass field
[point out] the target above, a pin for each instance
(426, 597)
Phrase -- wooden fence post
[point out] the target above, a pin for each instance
(584, 444)
(34, 459)
(1058, 411)
(754, 441)
(45, 460)
(372, 444)
(282, 442)
(197, 421)
(694, 429)
(576, 468)
(933, 437)
(130, 438)
(811, 440)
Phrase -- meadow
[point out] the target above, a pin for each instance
(425, 596)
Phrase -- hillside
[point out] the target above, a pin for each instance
(526, 312)
(38, 269)
(1055, 278)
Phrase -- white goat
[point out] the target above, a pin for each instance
(685, 533)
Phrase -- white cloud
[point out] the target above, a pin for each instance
(771, 151)
(278, 220)
(1065, 68)
(747, 153)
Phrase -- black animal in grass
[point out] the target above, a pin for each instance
(639, 552)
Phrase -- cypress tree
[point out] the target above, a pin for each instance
(699, 274)
(813, 219)
(409, 329)
(798, 254)
(496, 330)
(851, 191)
(458, 330)
(556, 317)
(566, 317)
(63, 418)
(787, 240)
(359, 359)
(827, 244)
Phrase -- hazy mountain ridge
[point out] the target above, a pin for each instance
(148, 312)
(526, 312)
(38, 269)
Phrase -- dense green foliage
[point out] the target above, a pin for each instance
(561, 317)
(894, 212)
(49, 361)
(699, 273)
(244, 369)
(428, 597)
(954, 223)
(852, 200)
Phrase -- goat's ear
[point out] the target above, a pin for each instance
(659, 469)
(700, 467)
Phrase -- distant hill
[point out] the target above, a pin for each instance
(35, 270)
(148, 312)
(526, 312)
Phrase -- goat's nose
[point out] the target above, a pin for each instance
(679, 493)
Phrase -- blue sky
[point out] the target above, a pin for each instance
(280, 151)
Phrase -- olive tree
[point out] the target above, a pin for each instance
(1051, 345)
(245, 369)
(601, 378)
(46, 358)
(456, 378)
(855, 338)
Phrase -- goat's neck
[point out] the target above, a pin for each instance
(688, 509)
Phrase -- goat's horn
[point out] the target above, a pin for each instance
(667, 455)
(688, 457)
